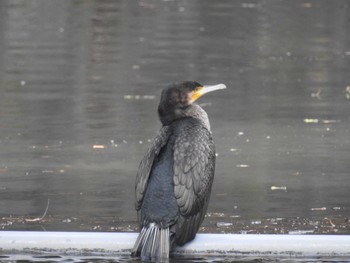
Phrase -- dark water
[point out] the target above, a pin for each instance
(79, 87)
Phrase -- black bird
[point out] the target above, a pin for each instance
(175, 176)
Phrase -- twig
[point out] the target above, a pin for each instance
(40, 218)
(330, 221)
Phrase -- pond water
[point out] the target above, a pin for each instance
(80, 83)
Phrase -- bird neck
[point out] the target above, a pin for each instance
(195, 111)
(192, 111)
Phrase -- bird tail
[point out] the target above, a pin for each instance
(153, 243)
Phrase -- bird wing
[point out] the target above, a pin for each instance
(146, 164)
(194, 164)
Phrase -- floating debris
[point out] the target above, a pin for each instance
(347, 90)
(319, 209)
(223, 224)
(256, 222)
(242, 165)
(311, 120)
(330, 121)
(38, 219)
(233, 150)
(330, 221)
(274, 188)
(320, 225)
(215, 214)
(5, 224)
(321, 121)
(139, 97)
(98, 227)
(336, 208)
(300, 232)
(113, 143)
(23, 83)
(316, 94)
(98, 146)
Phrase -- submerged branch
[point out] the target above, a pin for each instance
(42, 217)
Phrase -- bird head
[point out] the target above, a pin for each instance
(177, 98)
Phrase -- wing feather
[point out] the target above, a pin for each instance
(146, 164)
(194, 164)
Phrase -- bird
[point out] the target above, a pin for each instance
(175, 177)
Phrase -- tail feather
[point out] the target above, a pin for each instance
(152, 243)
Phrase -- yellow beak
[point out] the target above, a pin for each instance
(206, 89)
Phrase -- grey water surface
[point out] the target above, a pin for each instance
(79, 87)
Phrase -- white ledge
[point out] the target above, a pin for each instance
(85, 243)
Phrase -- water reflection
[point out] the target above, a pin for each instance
(74, 74)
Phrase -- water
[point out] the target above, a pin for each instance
(80, 83)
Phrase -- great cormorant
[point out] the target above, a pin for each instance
(174, 179)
